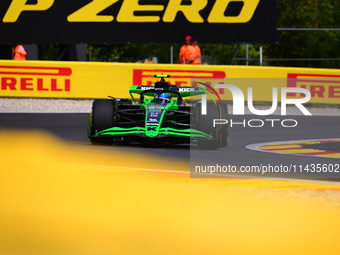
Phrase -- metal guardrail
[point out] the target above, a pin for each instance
(308, 29)
(261, 59)
(289, 59)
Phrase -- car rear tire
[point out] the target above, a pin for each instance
(205, 124)
(224, 127)
(103, 117)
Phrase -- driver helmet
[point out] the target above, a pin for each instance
(164, 98)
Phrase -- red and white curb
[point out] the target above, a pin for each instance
(295, 147)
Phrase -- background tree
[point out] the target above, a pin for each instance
(307, 44)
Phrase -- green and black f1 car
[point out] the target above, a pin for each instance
(159, 116)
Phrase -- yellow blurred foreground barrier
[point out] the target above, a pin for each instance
(65, 199)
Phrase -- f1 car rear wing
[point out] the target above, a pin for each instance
(163, 85)
(184, 91)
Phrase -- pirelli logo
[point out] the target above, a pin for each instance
(137, 21)
(141, 11)
(32, 78)
(178, 77)
(319, 85)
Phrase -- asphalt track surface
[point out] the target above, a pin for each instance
(72, 128)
